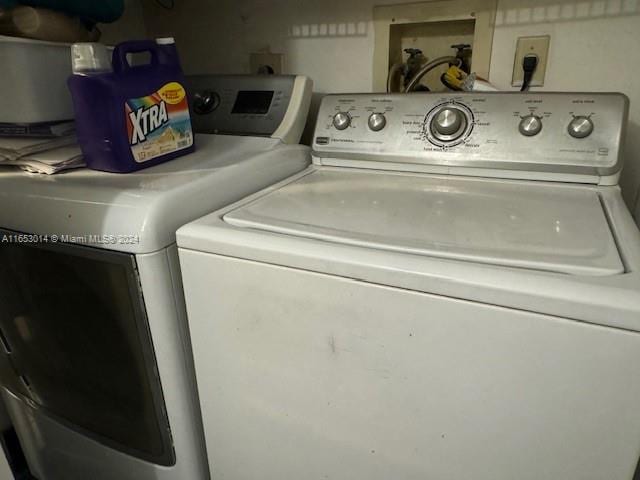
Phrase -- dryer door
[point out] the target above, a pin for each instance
(75, 343)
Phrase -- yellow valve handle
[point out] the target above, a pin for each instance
(455, 76)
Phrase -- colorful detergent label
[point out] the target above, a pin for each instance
(159, 123)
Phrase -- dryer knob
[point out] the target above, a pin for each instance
(205, 102)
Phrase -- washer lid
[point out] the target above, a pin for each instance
(540, 226)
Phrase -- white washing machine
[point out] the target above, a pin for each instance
(451, 291)
(95, 361)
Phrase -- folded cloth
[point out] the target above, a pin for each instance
(12, 148)
(51, 161)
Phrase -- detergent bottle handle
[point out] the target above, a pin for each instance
(120, 52)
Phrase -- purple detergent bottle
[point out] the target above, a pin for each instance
(130, 117)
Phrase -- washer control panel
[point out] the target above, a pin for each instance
(566, 133)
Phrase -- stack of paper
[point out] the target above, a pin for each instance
(52, 161)
(41, 155)
(46, 129)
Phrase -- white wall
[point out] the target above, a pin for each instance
(329, 40)
(594, 44)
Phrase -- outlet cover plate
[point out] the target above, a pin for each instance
(266, 59)
(538, 45)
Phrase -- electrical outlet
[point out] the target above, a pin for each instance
(266, 62)
(526, 46)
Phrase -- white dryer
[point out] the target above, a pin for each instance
(95, 361)
(451, 291)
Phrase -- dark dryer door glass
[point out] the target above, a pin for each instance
(75, 340)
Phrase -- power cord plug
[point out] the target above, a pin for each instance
(529, 64)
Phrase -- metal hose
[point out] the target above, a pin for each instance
(428, 67)
(393, 71)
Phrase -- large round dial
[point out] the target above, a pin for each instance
(580, 127)
(448, 124)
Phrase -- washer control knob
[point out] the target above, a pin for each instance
(377, 121)
(530, 125)
(341, 120)
(447, 122)
(580, 127)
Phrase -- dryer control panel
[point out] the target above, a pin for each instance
(553, 133)
(259, 105)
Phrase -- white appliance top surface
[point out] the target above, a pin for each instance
(139, 212)
(540, 226)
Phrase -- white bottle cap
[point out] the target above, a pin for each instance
(165, 41)
(90, 58)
